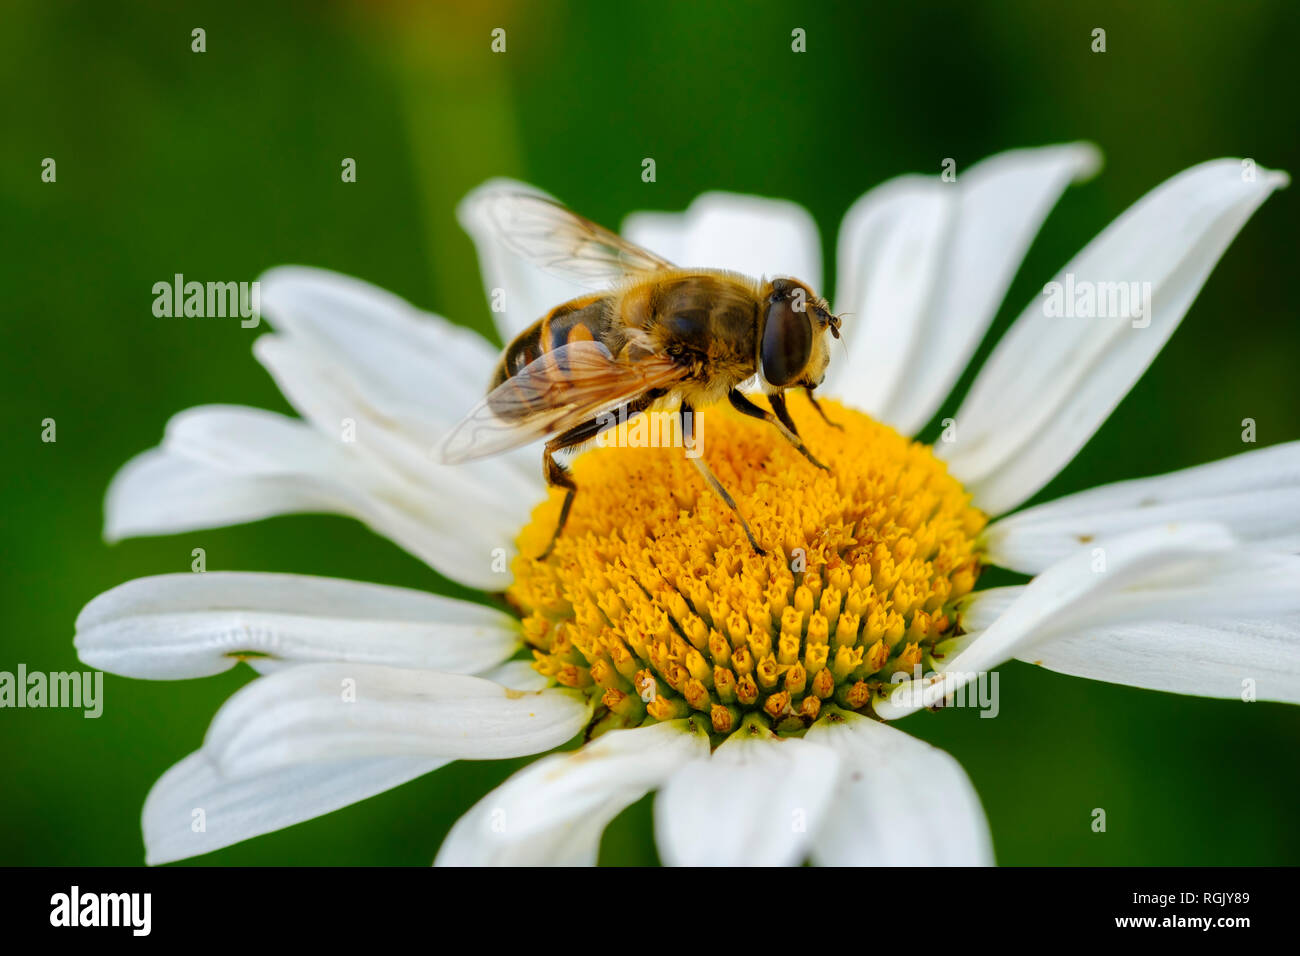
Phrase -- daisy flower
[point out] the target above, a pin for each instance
(752, 692)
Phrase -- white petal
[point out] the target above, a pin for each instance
(320, 712)
(898, 802)
(477, 507)
(757, 801)
(1228, 583)
(746, 234)
(1230, 658)
(663, 233)
(1195, 630)
(192, 625)
(233, 810)
(354, 350)
(409, 364)
(1186, 557)
(529, 292)
(247, 463)
(554, 811)
(237, 464)
(159, 492)
(398, 379)
(923, 266)
(1234, 584)
(1052, 381)
(255, 442)
(517, 675)
(237, 808)
(321, 391)
(979, 610)
(250, 451)
(1255, 494)
(891, 259)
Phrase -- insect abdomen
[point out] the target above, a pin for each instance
(578, 320)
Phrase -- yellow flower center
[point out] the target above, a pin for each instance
(654, 600)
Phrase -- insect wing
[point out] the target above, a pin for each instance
(555, 392)
(563, 243)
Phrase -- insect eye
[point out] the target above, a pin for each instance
(787, 342)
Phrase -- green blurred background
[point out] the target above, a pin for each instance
(221, 164)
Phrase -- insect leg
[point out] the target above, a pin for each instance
(688, 432)
(777, 400)
(746, 407)
(821, 411)
(557, 476)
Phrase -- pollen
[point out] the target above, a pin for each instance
(654, 602)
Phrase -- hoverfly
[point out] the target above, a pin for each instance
(660, 335)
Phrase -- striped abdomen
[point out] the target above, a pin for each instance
(582, 319)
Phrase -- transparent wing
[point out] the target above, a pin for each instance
(564, 243)
(563, 388)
